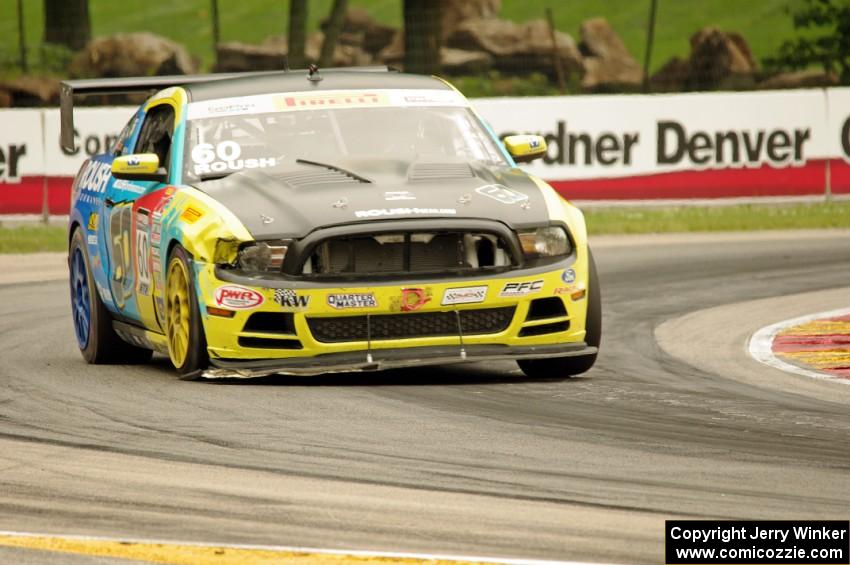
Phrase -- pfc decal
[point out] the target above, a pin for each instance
(512, 289)
(378, 212)
(568, 276)
(411, 299)
(237, 297)
(190, 215)
(289, 298)
(143, 246)
(92, 239)
(501, 193)
(468, 295)
(93, 221)
(352, 300)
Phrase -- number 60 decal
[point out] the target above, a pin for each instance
(205, 153)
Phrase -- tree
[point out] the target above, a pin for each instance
(297, 34)
(67, 22)
(827, 45)
(422, 36)
(332, 31)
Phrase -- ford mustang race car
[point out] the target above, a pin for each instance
(307, 222)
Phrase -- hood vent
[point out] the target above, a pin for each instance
(312, 178)
(426, 172)
(327, 174)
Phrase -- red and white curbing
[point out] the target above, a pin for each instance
(820, 342)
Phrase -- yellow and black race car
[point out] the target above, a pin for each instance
(307, 222)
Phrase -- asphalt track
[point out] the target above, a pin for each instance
(475, 460)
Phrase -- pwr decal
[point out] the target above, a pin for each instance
(237, 297)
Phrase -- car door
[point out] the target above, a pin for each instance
(128, 225)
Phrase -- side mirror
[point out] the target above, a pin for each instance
(525, 148)
(144, 166)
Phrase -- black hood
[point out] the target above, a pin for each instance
(293, 202)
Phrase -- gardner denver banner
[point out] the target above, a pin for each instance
(677, 146)
(706, 145)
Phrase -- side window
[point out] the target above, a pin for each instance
(122, 143)
(157, 130)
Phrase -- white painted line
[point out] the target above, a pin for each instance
(298, 549)
(761, 346)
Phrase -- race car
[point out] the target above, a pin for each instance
(308, 222)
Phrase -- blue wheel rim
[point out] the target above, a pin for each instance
(80, 298)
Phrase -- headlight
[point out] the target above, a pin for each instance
(545, 242)
(262, 256)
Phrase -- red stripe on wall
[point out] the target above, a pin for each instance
(710, 183)
(839, 176)
(27, 196)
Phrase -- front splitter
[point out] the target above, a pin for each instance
(384, 359)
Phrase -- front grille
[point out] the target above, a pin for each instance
(408, 252)
(410, 325)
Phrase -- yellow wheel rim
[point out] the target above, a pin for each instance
(177, 311)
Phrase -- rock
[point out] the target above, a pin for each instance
(456, 12)
(460, 62)
(607, 61)
(672, 76)
(496, 37)
(344, 55)
(132, 54)
(718, 57)
(271, 54)
(29, 90)
(517, 48)
(232, 57)
(360, 30)
(800, 79)
(393, 53)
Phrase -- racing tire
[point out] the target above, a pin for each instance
(187, 344)
(569, 366)
(97, 340)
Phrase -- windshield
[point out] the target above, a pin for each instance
(220, 145)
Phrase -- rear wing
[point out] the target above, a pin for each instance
(133, 85)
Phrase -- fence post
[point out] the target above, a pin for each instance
(216, 30)
(650, 36)
(22, 37)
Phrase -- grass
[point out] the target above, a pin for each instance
(764, 23)
(718, 218)
(600, 221)
(33, 239)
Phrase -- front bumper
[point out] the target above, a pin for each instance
(236, 348)
(383, 359)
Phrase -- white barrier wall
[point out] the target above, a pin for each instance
(617, 136)
(600, 147)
